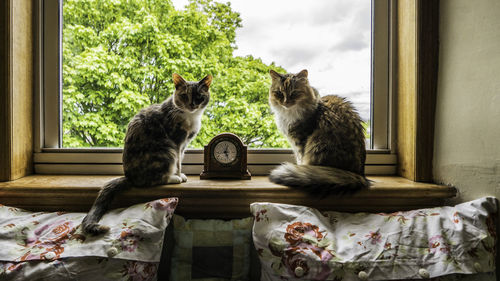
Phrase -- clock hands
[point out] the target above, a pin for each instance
(225, 152)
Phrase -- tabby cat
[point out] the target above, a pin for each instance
(154, 145)
(325, 133)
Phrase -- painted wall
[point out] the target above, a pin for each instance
(467, 131)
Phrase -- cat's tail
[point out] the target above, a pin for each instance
(318, 181)
(101, 205)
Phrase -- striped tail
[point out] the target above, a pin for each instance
(318, 181)
(101, 205)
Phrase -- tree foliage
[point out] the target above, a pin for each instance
(119, 56)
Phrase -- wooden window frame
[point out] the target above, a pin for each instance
(16, 89)
(50, 158)
(413, 84)
(414, 89)
(417, 71)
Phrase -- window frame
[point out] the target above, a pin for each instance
(50, 158)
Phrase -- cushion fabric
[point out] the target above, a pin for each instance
(300, 243)
(42, 246)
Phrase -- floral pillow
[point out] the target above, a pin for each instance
(300, 243)
(51, 246)
(211, 249)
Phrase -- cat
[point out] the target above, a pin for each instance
(326, 135)
(154, 145)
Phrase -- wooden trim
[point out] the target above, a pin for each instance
(5, 93)
(427, 74)
(16, 102)
(188, 169)
(189, 158)
(417, 46)
(217, 198)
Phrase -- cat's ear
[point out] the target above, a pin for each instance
(178, 80)
(275, 75)
(302, 74)
(206, 81)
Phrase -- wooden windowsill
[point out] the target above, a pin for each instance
(217, 198)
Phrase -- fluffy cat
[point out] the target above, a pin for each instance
(154, 145)
(325, 133)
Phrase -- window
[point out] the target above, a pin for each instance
(90, 88)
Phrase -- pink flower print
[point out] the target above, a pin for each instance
(11, 266)
(61, 232)
(375, 237)
(293, 259)
(295, 256)
(258, 215)
(437, 244)
(50, 237)
(165, 204)
(139, 271)
(129, 241)
(296, 230)
(27, 256)
(57, 250)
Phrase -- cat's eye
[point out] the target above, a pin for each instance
(184, 97)
(278, 94)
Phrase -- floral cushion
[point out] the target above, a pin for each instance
(300, 243)
(211, 249)
(51, 246)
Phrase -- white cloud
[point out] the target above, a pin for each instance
(330, 38)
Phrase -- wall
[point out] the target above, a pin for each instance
(467, 128)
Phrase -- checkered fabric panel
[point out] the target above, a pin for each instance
(211, 250)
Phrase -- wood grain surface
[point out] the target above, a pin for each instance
(217, 198)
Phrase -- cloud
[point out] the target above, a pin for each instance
(330, 12)
(351, 42)
(295, 56)
(330, 38)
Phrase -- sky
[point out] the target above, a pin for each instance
(329, 38)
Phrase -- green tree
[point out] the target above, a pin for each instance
(119, 56)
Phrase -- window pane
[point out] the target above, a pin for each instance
(119, 55)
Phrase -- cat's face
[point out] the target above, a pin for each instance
(191, 96)
(289, 90)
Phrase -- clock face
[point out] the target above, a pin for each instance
(225, 152)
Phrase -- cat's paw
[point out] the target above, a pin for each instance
(183, 177)
(95, 229)
(173, 179)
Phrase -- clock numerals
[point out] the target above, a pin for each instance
(225, 152)
(225, 157)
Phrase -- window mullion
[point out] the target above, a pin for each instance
(52, 73)
(380, 75)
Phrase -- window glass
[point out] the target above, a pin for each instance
(119, 56)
